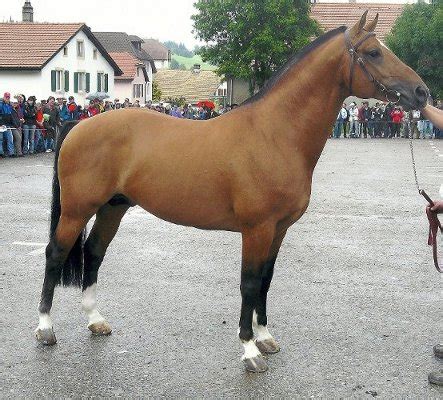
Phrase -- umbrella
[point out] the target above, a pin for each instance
(206, 103)
(97, 95)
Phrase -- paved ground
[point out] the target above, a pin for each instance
(355, 302)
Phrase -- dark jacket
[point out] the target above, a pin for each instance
(6, 113)
(29, 114)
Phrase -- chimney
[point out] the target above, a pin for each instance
(196, 68)
(28, 12)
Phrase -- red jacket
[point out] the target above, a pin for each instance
(397, 116)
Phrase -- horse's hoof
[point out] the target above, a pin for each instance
(101, 328)
(255, 364)
(268, 346)
(45, 336)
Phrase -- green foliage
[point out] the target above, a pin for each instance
(178, 48)
(417, 39)
(156, 92)
(190, 62)
(250, 39)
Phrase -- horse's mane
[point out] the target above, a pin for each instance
(293, 60)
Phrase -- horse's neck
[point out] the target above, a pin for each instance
(302, 107)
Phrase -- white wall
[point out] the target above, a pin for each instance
(124, 88)
(160, 64)
(38, 83)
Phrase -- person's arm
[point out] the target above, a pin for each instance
(437, 207)
(434, 115)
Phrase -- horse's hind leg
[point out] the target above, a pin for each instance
(264, 340)
(57, 251)
(105, 227)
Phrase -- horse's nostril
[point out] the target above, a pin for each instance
(421, 93)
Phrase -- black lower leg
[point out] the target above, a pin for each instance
(55, 257)
(250, 290)
(94, 255)
(268, 272)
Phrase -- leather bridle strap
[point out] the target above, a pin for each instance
(353, 52)
(434, 227)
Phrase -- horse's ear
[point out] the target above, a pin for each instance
(370, 27)
(358, 27)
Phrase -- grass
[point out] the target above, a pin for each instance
(189, 62)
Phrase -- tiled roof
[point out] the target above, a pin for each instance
(30, 45)
(121, 42)
(127, 63)
(157, 50)
(192, 86)
(333, 15)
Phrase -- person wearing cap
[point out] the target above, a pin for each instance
(6, 123)
(63, 109)
(29, 125)
(72, 109)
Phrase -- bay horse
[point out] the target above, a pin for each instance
(247, 171)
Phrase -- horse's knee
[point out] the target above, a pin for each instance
(94, 252)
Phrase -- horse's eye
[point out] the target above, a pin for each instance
(374, 53)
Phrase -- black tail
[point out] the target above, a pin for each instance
(72, 270)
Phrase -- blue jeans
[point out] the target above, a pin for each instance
(39, 141)
(49, 144)
(28, 138)
(7, 137)
(338, 128)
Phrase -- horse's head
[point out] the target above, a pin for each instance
(374, 71)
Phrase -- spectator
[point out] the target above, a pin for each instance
(126, 104)
(39, 145)
(415, 117)
(29, 126)
(51, 118)
(63, 109)
(397, 117)
(387, 118)
(341, 118)
(377, 117)
(72, 109)
(18, 120)
(137, 104)
(6, 124)
(353, 120)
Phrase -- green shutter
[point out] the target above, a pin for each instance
(66, 81)
(99, 83)
(88, 82)
(106, 83)
(53, 84)
(75, 82)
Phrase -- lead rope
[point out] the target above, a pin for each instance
(434, 223)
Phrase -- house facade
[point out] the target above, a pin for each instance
(137, 65)
(67, 60)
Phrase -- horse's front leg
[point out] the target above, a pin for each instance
(256, 245)
(264, 340)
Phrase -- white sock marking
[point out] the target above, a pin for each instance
(251, 350)
(89, 304)
(261, 331)
(44, 322)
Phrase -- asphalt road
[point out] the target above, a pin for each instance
(355, 302)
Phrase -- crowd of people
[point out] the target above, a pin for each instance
(28, 126)
(382, 121)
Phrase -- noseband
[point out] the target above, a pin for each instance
(353, 52)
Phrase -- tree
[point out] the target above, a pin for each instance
(179, 48)
(156, 92)
(250, 39)
(417, 38)
(176, 65)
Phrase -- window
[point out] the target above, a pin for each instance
(138, 91)
(65, 51)
(94, 54)
(102, 82)
(80, 49)
(58, 80)
(81, 81)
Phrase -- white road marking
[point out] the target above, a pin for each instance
(31, 244)
(41, 247)
(39, 165)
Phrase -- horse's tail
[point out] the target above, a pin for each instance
(72, 270)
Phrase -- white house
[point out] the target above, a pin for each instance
(138, 66)
(159, 52)
(67, 59)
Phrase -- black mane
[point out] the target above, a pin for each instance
(275, 78)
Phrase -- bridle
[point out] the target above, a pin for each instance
(353, 52)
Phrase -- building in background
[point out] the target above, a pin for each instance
(67, 59)
(137, 64)
(158, 51)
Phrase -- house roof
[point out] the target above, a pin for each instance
(128, 63)
(188, 84)
(30, 45)
(157, 50)
(120, 42)
(333, 15)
